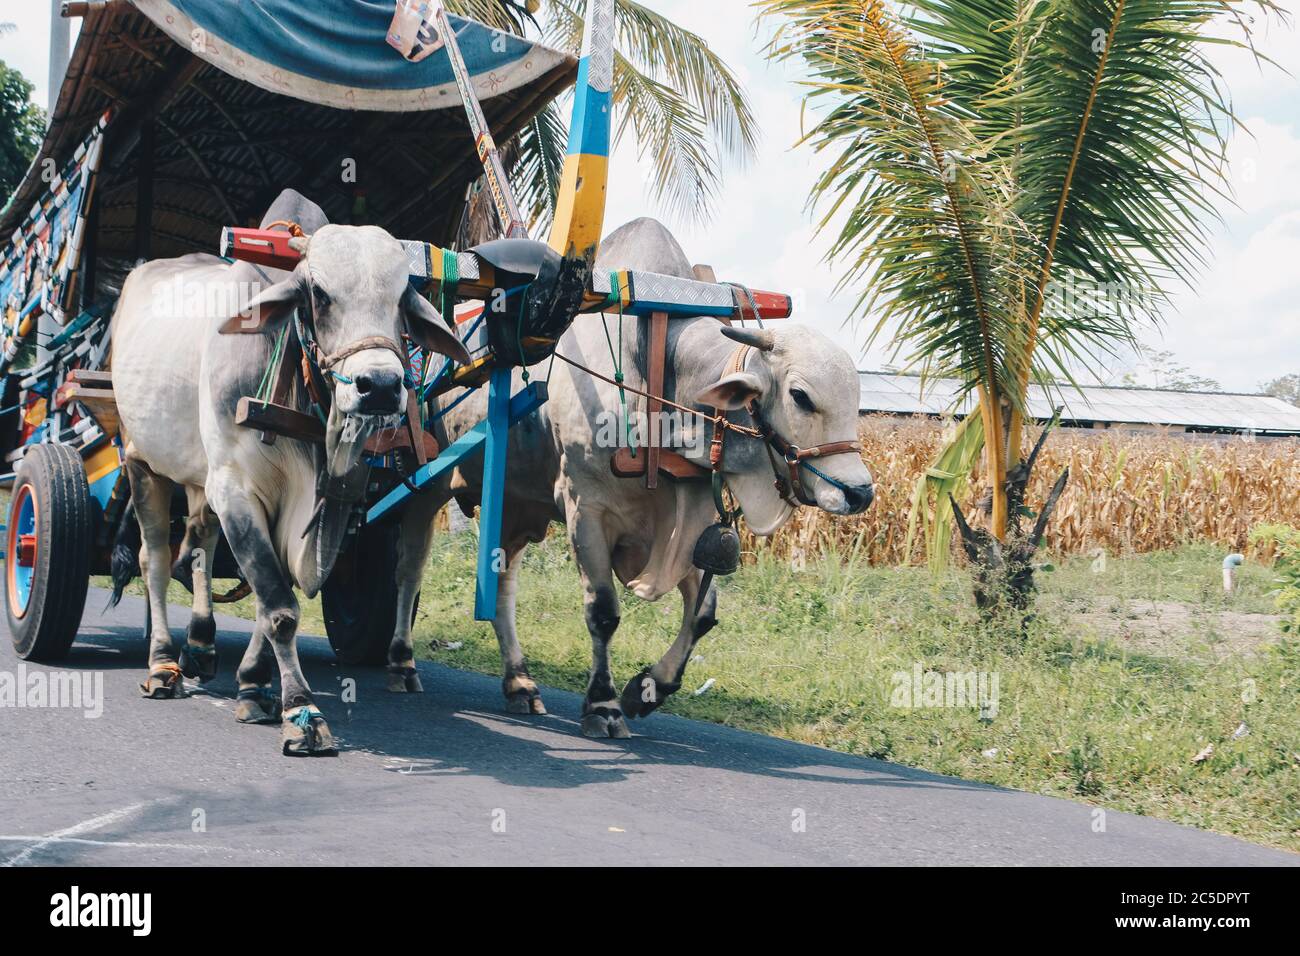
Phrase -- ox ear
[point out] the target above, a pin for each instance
(267, 311)
(732, 391)
(428, 329)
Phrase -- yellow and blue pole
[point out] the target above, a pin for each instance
(580, 205)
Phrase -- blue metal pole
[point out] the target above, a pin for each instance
(491, 559)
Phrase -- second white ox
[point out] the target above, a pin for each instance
(803, 385)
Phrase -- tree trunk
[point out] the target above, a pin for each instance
(1002, 564)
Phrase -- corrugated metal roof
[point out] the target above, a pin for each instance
(903, 395)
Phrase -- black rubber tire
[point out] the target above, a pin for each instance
(56, 480)
(359, 598)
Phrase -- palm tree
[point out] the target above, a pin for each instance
(681, 102)
(1021, 183)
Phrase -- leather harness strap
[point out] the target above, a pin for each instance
(655, 367)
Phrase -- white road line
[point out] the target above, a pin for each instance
(86, 826)
(48, 840)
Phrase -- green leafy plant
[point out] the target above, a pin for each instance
(22, 123)
(1284, 542)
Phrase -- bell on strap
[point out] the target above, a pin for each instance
(717, 550)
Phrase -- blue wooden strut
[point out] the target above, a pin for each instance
(491, 559)
(504, 411)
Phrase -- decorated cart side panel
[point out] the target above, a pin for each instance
(48, 337)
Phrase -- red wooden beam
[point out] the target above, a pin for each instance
(266, 247)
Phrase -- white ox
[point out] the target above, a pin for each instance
(282, 507)
(806, 388)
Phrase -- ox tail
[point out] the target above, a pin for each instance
(125, 562)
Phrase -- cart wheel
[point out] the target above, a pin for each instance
(47, 552)
(359, 598)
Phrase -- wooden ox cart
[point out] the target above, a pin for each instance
(205, 111)
(177, 119)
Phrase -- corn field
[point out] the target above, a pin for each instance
(1128, 493)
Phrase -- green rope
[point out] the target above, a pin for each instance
(617, 358)
(450, 280)
(304, 716)
(264, 389)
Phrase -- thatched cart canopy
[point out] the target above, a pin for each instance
(218, 105)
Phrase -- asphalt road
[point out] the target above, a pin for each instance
(448, 778)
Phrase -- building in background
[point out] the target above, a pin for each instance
(1126, 408)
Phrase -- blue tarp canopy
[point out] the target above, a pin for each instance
(334, 52)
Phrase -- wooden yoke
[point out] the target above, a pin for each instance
(284, 377)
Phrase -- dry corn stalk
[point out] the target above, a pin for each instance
(1128, 492)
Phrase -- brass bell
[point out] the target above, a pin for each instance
(718, 550)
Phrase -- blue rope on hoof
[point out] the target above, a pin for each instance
(302, 719)
(200, 650)
(256, 693)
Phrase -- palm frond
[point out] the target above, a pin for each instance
(944, 480)
(683, 61)
(926, 227)
(495, 13)
(671, 132)
(536, 173)
(1113, 123)
(682, 103)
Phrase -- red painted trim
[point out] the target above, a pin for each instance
(266, 247)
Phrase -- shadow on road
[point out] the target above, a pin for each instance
(459, 727)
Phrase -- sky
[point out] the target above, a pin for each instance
(1239, 325)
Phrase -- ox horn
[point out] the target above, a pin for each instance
(762, 339)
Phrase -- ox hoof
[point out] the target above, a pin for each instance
(304, 733)
(643, 694)
(523, 703)
(199, 662)
(602, 725)
(522, 695)
(404, 680)
(257, 705)
(164, 683)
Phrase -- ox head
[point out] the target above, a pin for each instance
(806, 388)
(354, 300)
